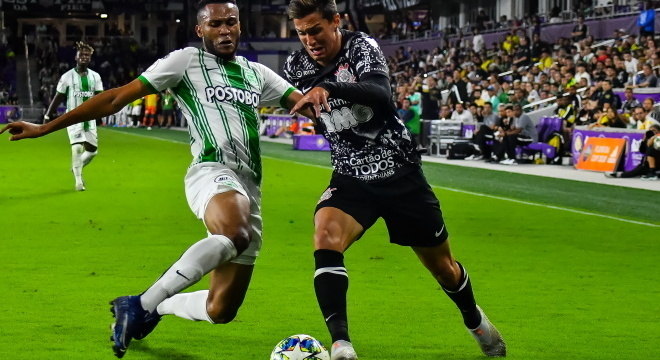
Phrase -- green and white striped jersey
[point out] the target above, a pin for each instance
(219, 99)
(79, 88)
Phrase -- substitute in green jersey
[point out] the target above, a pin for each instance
(218, 93)
(76, 86)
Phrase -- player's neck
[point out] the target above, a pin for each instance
(82, 70)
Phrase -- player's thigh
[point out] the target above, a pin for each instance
(228, 213)
(229, 284)
(335, 230)
(344, 211)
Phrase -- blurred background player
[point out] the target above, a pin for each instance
(166, 117)
(150, 110)
(76, 86)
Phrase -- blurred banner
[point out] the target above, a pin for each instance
(32, 6)
(632, 139)
(601, 154)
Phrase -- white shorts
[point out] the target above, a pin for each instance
(136, 110)
(205, 180)
(83, 132)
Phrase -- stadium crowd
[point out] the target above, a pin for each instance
(464, 78)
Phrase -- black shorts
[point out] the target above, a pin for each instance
(407, 204)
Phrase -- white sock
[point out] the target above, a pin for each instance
(191, 306)
(202, 257)
(87, 157)
(76, 161)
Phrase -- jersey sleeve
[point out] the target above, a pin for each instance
(275, 89)
(99, 84)
(367, 57)
(167, 71)
(63, 84)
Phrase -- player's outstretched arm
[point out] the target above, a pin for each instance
(291, 102)
(104, 104)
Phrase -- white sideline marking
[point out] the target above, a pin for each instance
(449, 189)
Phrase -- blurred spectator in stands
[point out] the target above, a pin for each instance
(580, 30)
(445, 112)
(523, 55)
(607, 96)
(482, 20)
(647, 167)
(431, 96)
(631, 63)
(647, 78)
(610, 75)
(643, 118)
(630, 102)
(588, 114)
(484, 134)
(405, 113)
(295, 127)
(646, 20)
(610, 118)
(478, 43)
(581, 72)
(461, 114)
(651, 110)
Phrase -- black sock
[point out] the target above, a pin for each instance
(463, 296)
(331, 285)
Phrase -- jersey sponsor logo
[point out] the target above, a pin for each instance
(346, 118)
(83, 94)
(228, 94)
(226, 181)
(373, 163)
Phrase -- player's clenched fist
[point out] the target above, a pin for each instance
(22, 130)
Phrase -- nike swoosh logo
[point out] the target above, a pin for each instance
(329, 317)
(210, 69)
(183, 276)
(438, 233)
(306, 89)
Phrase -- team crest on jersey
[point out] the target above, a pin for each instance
(327, 194)
(344, 75)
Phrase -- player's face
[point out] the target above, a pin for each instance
(319, 36)
(83, 57)
(219, 29)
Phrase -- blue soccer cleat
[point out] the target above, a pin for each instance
(129, 319)
(148, 326)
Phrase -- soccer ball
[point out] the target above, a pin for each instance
(300, 347)
(656, 143)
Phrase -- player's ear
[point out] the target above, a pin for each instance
(336, 21)
(198, 31)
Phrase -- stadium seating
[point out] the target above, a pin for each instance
(545, 128)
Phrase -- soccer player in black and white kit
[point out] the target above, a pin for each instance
(377, 171)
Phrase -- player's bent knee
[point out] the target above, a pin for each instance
(239, 236)
(219, 314)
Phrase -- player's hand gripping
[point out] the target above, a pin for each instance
(22, 130)
(316, 98)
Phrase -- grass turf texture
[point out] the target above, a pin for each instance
(559, 285)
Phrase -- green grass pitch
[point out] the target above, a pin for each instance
(577, 280)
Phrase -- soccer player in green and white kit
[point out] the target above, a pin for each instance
(218, 93)
(76, 86)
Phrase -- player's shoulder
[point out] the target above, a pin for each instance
(183, 53)
(359, 38)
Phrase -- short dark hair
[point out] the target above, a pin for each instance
(298, 9)
(81, 45)
(202, 3)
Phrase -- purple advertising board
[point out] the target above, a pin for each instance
(310, 142)
(9, 112)
(631, 155)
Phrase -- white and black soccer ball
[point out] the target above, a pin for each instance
(656, 143)
(300, 347)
